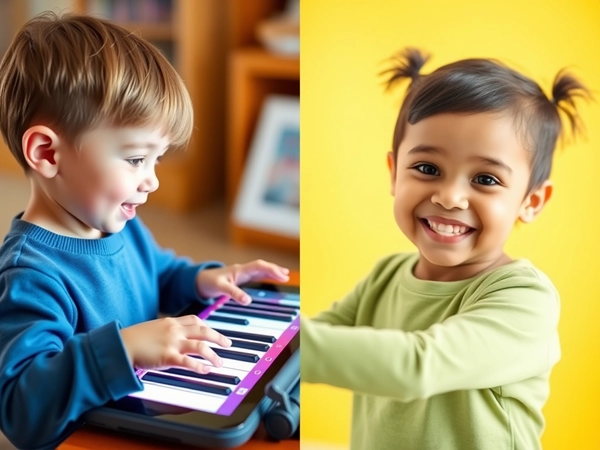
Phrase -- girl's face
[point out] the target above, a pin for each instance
(459, 184)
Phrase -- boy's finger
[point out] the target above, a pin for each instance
(201, 331)
(239, 295)
(264, 269)
(188, 320)
(195, 347)
(196, 365)
(187, 362)
(281, 274)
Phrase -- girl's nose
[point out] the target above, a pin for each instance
(451, 195)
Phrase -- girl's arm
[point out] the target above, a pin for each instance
(508, 335)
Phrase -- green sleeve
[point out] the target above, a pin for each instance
(508, 335)
(344, 311)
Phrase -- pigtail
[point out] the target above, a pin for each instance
(565, 90)
(406, 63)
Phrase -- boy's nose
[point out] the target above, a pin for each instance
(150, 182)
(451, 195)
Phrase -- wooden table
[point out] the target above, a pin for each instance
(92, 438)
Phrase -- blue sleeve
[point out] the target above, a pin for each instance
(176, 275)
(51, 375)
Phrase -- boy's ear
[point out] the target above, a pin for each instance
(535, 202)
(40, 148)
(391, 163)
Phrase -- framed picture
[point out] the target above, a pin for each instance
(269, 195)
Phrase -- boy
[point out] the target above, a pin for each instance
(88, 109)
(452, 347)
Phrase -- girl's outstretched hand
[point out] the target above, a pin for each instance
(212, 283)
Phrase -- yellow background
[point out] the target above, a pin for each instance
(347, 123)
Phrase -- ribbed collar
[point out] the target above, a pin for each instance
(105, 246)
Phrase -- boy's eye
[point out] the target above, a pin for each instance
(486, 180)
(136, 162)
(427, 169)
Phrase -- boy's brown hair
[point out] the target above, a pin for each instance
(74, 72)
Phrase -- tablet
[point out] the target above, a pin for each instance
(223, 408)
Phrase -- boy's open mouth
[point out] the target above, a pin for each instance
(444, 229)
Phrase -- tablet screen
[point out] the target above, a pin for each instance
(262, 335)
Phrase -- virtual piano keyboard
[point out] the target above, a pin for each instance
(259, 332)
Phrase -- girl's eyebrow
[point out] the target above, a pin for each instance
(425, 149)
(493, 162)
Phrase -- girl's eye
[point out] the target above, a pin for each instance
(136, 162)
(427, 169)
(486, 180)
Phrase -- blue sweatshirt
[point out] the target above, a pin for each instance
(63, 301)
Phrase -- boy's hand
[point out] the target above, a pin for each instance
(212, 283)
(167, 342)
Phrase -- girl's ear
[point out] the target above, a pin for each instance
(535, 202)
(391, 163)
(40, 148)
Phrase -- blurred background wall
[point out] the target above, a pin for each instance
(347, 124)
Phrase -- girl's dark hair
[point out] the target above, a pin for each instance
(485, 85)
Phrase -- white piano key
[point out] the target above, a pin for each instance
(265, 324)
(259, 294)
(241, 374)
(192, 378)
(292, 303)
(245, 328)
(264, 307)
(185, 398)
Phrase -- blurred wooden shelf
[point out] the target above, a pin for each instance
(256, 61)
(151, 31)
(254, 74)
(247, 236)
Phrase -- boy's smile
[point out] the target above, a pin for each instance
(459, 184)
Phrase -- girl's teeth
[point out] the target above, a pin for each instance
(446, 229)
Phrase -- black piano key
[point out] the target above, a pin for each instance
(235, 320)
(249, 345)
(238, 356)
(266, 302)
(254, 313)
(218, 377)
(272, 308)
(188, 384)
(249, 336)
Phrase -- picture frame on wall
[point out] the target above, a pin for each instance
(268, 198)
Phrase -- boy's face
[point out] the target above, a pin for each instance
(459, 184)
(101, 183)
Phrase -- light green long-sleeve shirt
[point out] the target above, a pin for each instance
(461, 365)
